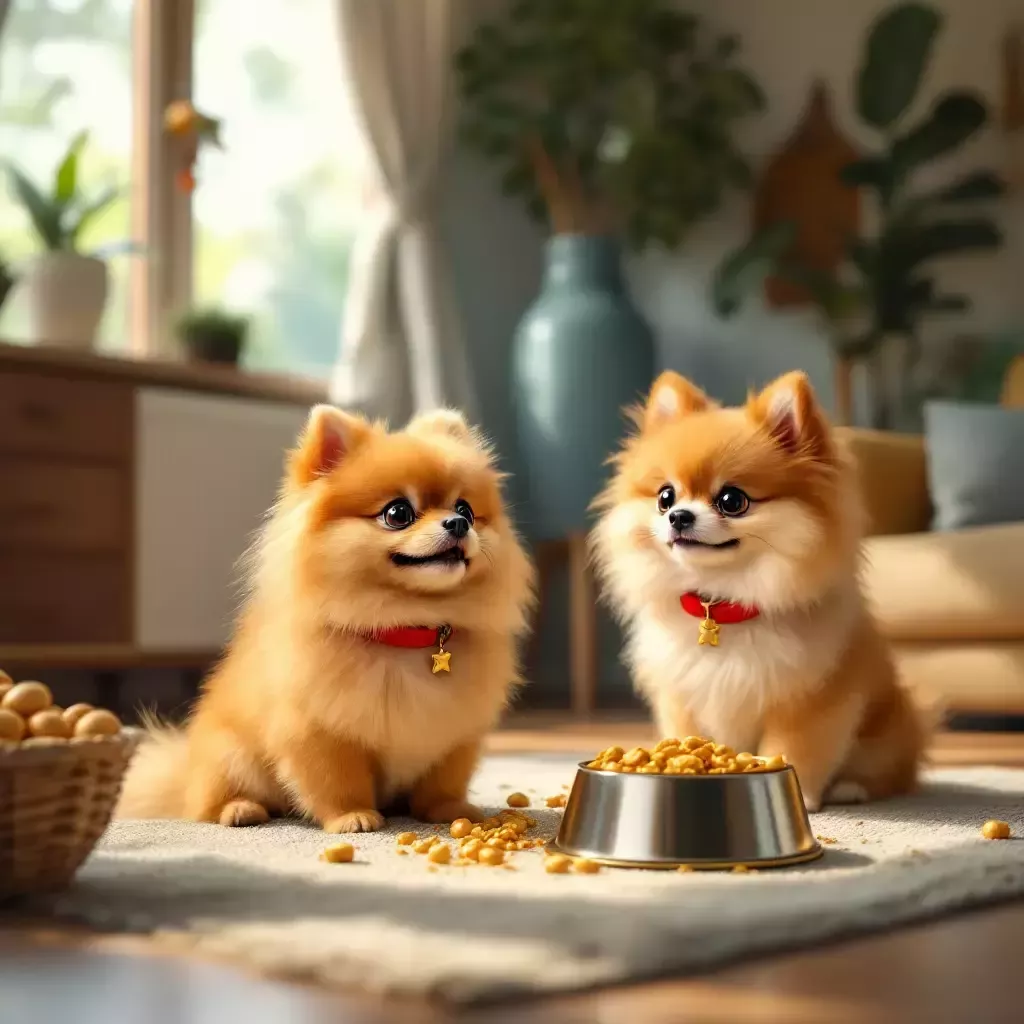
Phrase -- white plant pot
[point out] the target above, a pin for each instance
(65, 294)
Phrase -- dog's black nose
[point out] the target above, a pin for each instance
(681, 519)
(457, 526)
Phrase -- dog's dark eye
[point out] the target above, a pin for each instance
(666, 498)
(731, 501)
(464, 509)
(398, 515)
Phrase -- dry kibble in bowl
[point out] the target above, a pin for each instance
(693, 755)
(98, 722)
(27, 698)
(996, 830)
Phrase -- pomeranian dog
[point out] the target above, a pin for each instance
(729, 544)
(377, 645)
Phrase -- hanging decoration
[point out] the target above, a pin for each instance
(194, 129)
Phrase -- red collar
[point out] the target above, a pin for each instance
(723, 612)
(410, 636)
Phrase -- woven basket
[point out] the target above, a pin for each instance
(55, 802)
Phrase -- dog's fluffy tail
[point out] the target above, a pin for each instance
(154, 786)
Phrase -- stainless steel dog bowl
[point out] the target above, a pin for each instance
(757, 820)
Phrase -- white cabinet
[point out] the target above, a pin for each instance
(207, 467)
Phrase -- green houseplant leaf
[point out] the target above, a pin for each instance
(896, 55)
(65, 181)
(89, 212)
(950, 123)
(941, 238)
(44, 215)
(746, 268)
(972, 187)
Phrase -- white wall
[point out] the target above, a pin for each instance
(207, 469)
(786, 44)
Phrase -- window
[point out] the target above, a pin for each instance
(275, 211)
(66, 66)
(269, 229)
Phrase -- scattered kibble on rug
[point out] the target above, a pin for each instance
(343, 853)
(996, 829)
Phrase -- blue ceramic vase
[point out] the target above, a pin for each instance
(581, 354)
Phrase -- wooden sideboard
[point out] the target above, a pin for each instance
(128, 491)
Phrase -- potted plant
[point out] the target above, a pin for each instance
(877, 301)
(66, 288)
(213, 335)
(614, 123)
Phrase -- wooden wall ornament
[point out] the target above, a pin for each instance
(1013, 102)
(801, 184)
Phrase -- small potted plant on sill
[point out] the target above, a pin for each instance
(66, 288)
(213, 335)
(614, 121)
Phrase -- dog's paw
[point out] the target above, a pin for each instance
(243, 812)
(847, 792)
(812, 803)
(446, 813)
(355, 821)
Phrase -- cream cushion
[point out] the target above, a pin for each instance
(963, 585)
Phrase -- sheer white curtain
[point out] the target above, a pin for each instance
(401, 346)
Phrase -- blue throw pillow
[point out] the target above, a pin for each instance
(975, 464)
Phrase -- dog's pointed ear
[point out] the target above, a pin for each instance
(330, 436)
(446, 422)
(671, 397)
(788, 409)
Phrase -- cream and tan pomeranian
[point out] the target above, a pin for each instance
(729, 543)
(377, 645)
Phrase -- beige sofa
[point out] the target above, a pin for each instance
(951, 603)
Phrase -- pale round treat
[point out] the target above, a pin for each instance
(344, 853)
(557, 864)
(49, 723)
(996, 829)
(440, 853)
(461, 828)
(27, 698)
(12, 726)
(74, 714)
(6, 682)
(98, 722)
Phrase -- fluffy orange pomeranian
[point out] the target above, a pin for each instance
(377, 645)
(729, 543)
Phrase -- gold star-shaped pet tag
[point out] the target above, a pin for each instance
(443, 658)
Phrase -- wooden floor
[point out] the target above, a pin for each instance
(967, 968)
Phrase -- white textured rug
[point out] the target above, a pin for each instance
(387, 923)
